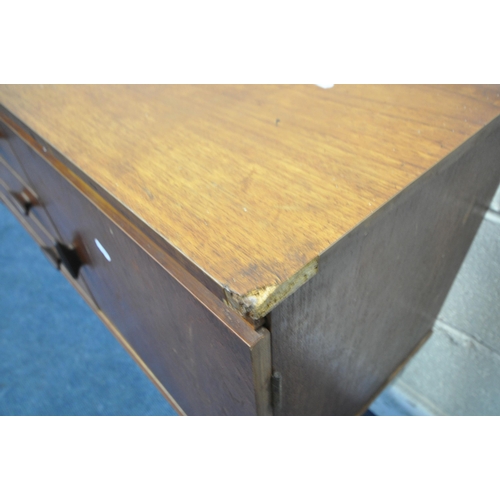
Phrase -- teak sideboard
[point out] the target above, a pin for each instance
(258, 250)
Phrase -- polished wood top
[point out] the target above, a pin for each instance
(253, 183)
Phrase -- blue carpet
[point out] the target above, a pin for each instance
(56, 357)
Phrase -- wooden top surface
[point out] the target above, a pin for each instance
(253, 183)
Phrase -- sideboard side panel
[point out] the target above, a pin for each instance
(338, 339)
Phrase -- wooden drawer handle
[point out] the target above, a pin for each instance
(24, 200)
(69, 259)
(61, 254)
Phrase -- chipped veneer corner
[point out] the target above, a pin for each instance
(259, 302)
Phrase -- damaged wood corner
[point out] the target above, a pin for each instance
(259, 302)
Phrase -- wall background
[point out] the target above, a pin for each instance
(457, 371)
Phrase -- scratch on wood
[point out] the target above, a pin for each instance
(149, 193)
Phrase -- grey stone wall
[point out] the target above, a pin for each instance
(457, 371)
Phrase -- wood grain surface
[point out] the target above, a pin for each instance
(253, 183)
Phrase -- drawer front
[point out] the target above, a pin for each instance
(9, 178)
(21, 197)
(18, 198)
(35, 230)
(21, 156)
(21, 200)
(6, 152)
(207, 358)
